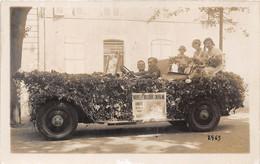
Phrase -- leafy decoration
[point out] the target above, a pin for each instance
(106, 97)
(214, 61)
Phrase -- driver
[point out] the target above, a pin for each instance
(153, 70)
(140, 67)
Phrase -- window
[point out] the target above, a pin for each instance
(161, 49)
(113, 55)
(107, 12)
(113, 12)
(74, 58)
(78, 12)
(58, 11)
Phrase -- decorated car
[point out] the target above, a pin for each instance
(59, 101)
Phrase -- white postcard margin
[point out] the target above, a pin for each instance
(7, 157)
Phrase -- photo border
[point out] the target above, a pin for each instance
(8, 157)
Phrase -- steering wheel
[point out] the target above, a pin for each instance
(126, 72)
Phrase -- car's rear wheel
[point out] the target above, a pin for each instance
(57, 120)
(204, 116)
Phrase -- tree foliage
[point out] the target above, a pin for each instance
(166, 13)
(213, 17)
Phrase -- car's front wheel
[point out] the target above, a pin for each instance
(57, 120)
(204, 116)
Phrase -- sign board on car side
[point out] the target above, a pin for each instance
(149, 106)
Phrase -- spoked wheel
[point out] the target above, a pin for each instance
(204, 116)
(57, 120)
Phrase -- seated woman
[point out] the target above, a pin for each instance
(198, 60)
(199, 53)
(213, 57)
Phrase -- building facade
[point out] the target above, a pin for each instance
(91, 39)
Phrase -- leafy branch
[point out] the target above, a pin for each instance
(166, 13)
(213, 17)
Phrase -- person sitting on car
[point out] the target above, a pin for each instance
(181, 60)
(199, 54)
(182, 64)
(211, 60)
(214, 57)
(198, 60)
(153, 70)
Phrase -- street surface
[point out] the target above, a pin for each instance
(141, 138)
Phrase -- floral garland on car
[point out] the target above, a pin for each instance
(214, 61)
(106, 97)
(183, 61)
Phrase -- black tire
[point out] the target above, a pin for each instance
(203, 116)
(57, 120)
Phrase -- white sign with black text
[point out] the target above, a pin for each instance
(149, 106)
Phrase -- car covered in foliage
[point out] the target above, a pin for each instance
(59, 101)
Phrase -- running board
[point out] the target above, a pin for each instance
(133, 122)
(121, 122)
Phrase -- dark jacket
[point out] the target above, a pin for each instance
(152, 73)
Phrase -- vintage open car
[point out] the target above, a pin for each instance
(60, 101)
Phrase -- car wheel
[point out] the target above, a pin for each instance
(204, 116)
(57, 120)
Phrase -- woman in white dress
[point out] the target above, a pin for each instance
(199, 53)
(213, 57)
(200, 60)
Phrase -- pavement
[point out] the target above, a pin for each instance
(157, 137)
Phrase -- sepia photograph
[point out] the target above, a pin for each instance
(130, 82)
